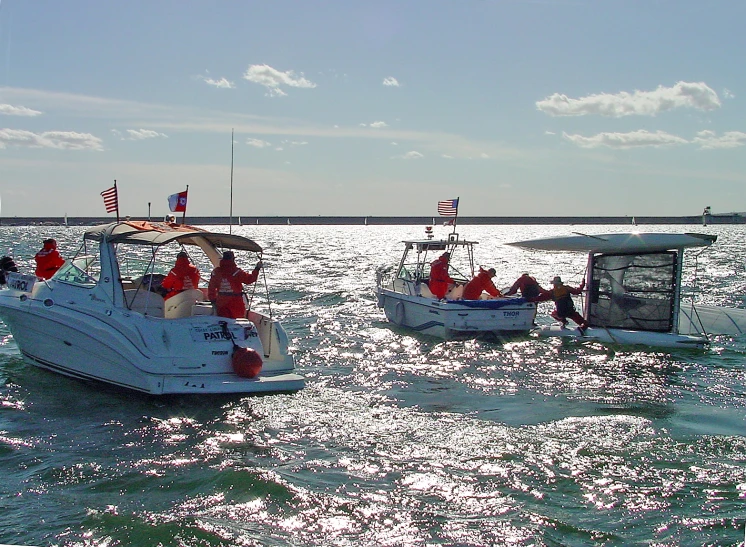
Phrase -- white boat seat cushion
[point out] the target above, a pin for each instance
(145, 302)
(181, 304)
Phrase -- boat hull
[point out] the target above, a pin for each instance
(151, 355)
(457, 319)
(625, 337)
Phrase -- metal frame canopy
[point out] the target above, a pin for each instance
(159, 233)
(619, 243)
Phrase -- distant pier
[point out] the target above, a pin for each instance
(735, 218)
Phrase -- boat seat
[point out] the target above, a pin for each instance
(181, 304)
(425, 291)
(455, 293)
(145, 302)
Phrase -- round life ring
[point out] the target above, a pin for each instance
(399, 313)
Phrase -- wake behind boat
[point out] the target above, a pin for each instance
(100, 317)
(633, 291)
(408, 302)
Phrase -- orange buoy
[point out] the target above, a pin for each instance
(246, 362)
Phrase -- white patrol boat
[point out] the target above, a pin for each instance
(98, 318)
(408, 302)
(633, 291)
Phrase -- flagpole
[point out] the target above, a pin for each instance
(230, 221)
(455, 218)
(183, 217)
(116, 193)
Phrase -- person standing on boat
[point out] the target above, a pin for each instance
(182, 277)
(439, 278)
(225, 289)
(529, 287)
(564, 308)
(48, 259)
(482, 282)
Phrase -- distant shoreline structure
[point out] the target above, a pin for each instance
(730, 218)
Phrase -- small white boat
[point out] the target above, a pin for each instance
(633, 291)
(407, 301)
(98, 317)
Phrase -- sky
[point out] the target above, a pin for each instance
(341, 107)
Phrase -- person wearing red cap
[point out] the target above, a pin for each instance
(48, 259)
(481, 282)
(439, 278)
(182, 277)
(225, 289)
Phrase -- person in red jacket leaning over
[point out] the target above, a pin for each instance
(225, 289)
(439, 278)
(481, 282)
(182, 277)
(48, 260)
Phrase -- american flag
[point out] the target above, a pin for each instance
(111, 200)
(448, 208)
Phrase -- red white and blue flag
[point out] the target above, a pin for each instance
(448, 208)
(111, 199)
(178, 202)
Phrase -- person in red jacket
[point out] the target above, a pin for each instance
(529, 287)
(439, 278)
(48, 259)
(182, 277)
(225, 289)
(564, 307)
(481, 282)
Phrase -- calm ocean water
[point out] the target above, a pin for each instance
(397, 439)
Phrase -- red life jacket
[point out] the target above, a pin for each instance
(182, 277)
(48, 260)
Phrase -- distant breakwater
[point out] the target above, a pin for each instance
(385, 221)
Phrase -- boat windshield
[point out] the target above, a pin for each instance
(75, 272)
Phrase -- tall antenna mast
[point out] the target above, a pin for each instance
(230, 222)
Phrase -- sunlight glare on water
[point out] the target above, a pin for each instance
(398, 438)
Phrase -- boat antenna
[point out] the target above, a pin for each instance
(230, 221)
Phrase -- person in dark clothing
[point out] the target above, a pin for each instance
(529, 287)
(564, 308)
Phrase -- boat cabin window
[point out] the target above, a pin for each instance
(76, 272)
(634, 292)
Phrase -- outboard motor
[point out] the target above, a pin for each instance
(6, 265)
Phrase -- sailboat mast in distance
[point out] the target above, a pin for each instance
(230, 218)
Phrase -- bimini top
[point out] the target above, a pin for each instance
(618, 243)
(160, 233)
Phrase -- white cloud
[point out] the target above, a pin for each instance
(641, 103)
(272, 79)
(391, 82)
(709, 140)
(378, 125)
(728, 94)
(411, 155)
(60, 140)
(222, 83)
(142, 134)
(10, 110)
(633, 139)
(258, 143)
(295, 143)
